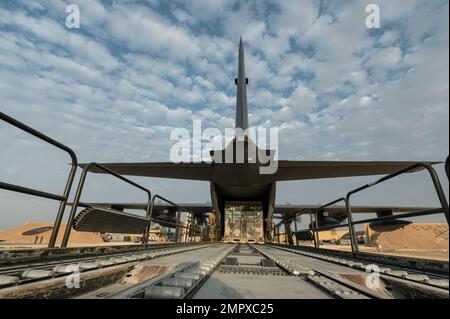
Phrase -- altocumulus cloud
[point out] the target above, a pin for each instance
(115, 88)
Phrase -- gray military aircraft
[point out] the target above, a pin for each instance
(238, 182)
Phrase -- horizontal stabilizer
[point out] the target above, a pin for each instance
(193, 171)
(334, 210)
(298, 170)
(196, 208)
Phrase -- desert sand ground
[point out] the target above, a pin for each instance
(13, 246)
(427, 241)
(413, 253)
(37, 235)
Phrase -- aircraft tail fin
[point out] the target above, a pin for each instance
(241, 98)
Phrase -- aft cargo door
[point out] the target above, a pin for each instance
(244, 221)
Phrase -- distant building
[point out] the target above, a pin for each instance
(158, 234)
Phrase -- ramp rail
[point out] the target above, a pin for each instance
(437, 186)
(177, 224)
(80, 190)
(38, 193)
(314, 227)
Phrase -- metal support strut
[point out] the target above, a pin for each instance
(80, 190)
(178, 217)
(29, 191)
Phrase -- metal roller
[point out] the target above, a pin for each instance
(356, 264)
(8, 280)
(132, 258)
(416, 277)
(397, 273)
(37, 273)
(438, 282)
(206, 265)
(64, 269)
(200, 270)
(382, 270)
(185, 283)
(163, 292)
(188, 275)
(105, 262)
(89, 266)
(120, 260)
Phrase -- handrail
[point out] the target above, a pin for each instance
(447, 168)
(329, 204)
(38, 134)
(369, 220)
(427, 212)
(30, 191)
(177, 218)
(25, 190)
(436, 183)
(313, 228)
(351, 228)
(80, 189)
(353, 239)
(179, 209)
(314, 222)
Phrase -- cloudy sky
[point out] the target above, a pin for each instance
(115, 88)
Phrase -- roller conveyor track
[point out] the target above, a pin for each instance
(249, 272)
(24, 273)
(180, 283)
(396, 283)
(224, 275)
(408, 274)
(232, 271)
(292, 274)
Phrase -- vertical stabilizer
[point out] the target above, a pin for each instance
(241, 97)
